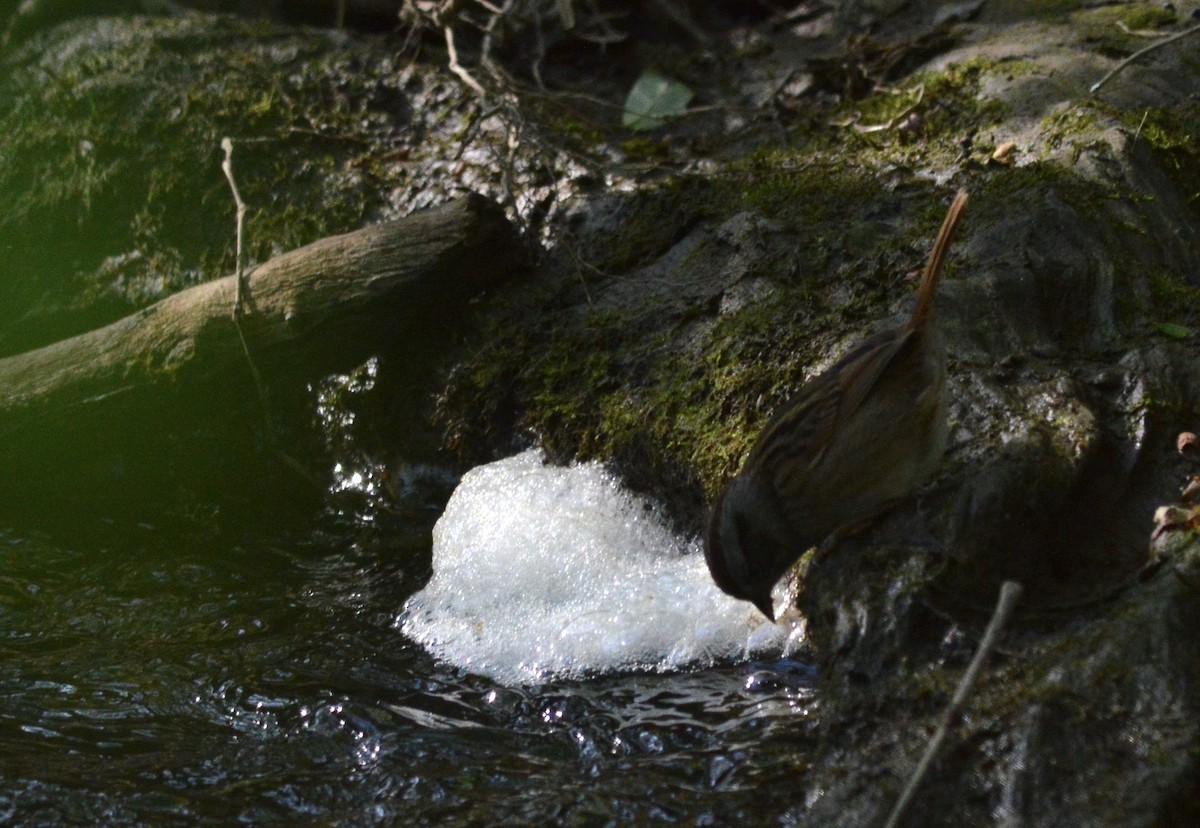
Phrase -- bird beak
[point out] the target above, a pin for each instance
(766, 606)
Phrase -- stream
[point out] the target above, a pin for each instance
(183, 673)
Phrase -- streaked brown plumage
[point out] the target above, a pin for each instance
(863, 435)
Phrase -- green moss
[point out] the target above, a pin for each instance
(947, 99)
(1102, 22)
(922, 120)
(791, 185)
(530, 377)
(703, 409)
(600, 386)
(1079, 119)
(645, 149)
(690, 396)
(567, 125)
(1140, 16)
(1166, 133)
(1109, 30)
(1174, 136)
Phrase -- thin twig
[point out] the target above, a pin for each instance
(239, 264)
(866, 129)
(1138, 133)
(539, 49)
(1095, 87)
(240, 287)
(239, 299)
(509, 162)
(601, 21)
(680, 17)
(456, 67)
(1010, 593)
(474, 121)
(489, 32)
(1123, 26)
(580, 266)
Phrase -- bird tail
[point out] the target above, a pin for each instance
(933, 269)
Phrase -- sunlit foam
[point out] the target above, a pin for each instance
(542, 571)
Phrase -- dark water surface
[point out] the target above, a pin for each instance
(154, 676)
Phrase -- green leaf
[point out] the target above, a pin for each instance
(653, 99)
(1172, 330)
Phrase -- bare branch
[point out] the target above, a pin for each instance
(456, 67)
(1010, 593)
(1095, 87)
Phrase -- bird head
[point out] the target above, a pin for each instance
(749, 545)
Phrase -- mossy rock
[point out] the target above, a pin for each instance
(111, 160)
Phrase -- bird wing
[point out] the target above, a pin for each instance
(804, 428)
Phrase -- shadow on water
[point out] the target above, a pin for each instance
(169, 674)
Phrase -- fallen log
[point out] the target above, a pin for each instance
(74, 412)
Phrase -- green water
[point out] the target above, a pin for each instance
(180, 675)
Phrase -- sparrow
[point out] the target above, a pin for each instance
(857, 439)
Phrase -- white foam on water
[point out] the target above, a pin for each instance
(546, 572)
